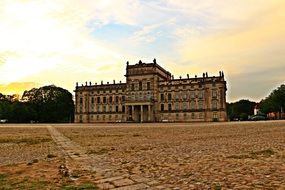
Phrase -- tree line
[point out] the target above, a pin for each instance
(51, 104)
(242, 109)
(48, 104)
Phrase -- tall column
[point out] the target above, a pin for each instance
(148, 116)
(141, 113)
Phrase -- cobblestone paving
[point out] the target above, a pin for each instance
(19, 143)
(107, 176)
(242, 155)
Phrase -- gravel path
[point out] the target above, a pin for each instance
(107, 176)
(242, 155)
(238, 155)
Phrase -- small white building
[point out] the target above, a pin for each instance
(256, 110)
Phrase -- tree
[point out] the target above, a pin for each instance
(275, 102)
(52, 104)
(241, 109)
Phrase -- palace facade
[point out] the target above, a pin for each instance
(151, 94)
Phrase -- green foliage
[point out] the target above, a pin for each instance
(9, 183)
(48, 104)
(275, 101)
(241, 109)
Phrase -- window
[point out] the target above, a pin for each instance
(81, 100)
(177, 96)
(98, 100)
(92, 100)
(184, 96)
(117, 99)
(193, 105)
(215, 115)
(148, 85)
(140, 85)
(214, 84)
(110, 109)
(110, 99)
(117, 108)
(169, 107)
(123, 98)
(214, 94)
(184, 106)
(98, 108)
(162, 107)
(214, 104)
(201, 94)
(133, 87)
(104, 108)
(192, 94)
(161, 97)
(169, 97)
(123, 109)
(201, 105)
(176, 106)
(104, 100)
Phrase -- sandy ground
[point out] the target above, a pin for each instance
(239, 155)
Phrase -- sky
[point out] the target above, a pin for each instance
(62, 42)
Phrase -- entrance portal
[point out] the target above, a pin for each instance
(139, 113)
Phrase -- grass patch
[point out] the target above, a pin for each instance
(254, 154)
(29, 141)
(2, 179)
(100, 151)
(8, 183)
(217, 187)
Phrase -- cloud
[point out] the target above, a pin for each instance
(65, 41)
(17, 87)
(252, 46)
(41, 36)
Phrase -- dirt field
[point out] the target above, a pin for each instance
(241, 155)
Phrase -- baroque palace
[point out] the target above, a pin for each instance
(151, 94)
